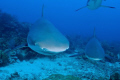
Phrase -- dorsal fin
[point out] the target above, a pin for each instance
(42, 10)
(94, 33)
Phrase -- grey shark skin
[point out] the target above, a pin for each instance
(94, 4)
(45, 39)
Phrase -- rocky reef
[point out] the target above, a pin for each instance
(12, 36)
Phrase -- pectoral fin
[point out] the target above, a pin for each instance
(81, 8)
(107, 6)
(77, 54)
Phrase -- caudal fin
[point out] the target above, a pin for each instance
(42, 10)
(107, 6)
(81, 8)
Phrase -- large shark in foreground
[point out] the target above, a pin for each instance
(45, 39)
(94, 4)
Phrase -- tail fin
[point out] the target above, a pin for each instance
(42, 10)
(81, 8)
(94, 33)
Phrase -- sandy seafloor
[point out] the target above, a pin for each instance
(40, 68)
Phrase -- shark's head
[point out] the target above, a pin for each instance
(94, 50)
(45, 39)
(48, 46)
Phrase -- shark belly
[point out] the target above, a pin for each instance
(94, 4)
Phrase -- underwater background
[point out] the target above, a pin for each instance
(16, 16)
(62, 14)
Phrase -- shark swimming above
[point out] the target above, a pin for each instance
(45, 39)
(94, 4)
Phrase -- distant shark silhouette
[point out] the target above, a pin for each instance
(45, 39)
(94, 4)
(94, 49)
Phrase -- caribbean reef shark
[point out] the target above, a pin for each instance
(94, 4)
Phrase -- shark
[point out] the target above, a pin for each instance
(94, 4)
(44, 38)
(94, 51)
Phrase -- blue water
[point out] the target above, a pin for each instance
(62, 14)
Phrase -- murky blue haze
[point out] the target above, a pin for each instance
(62, 14)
